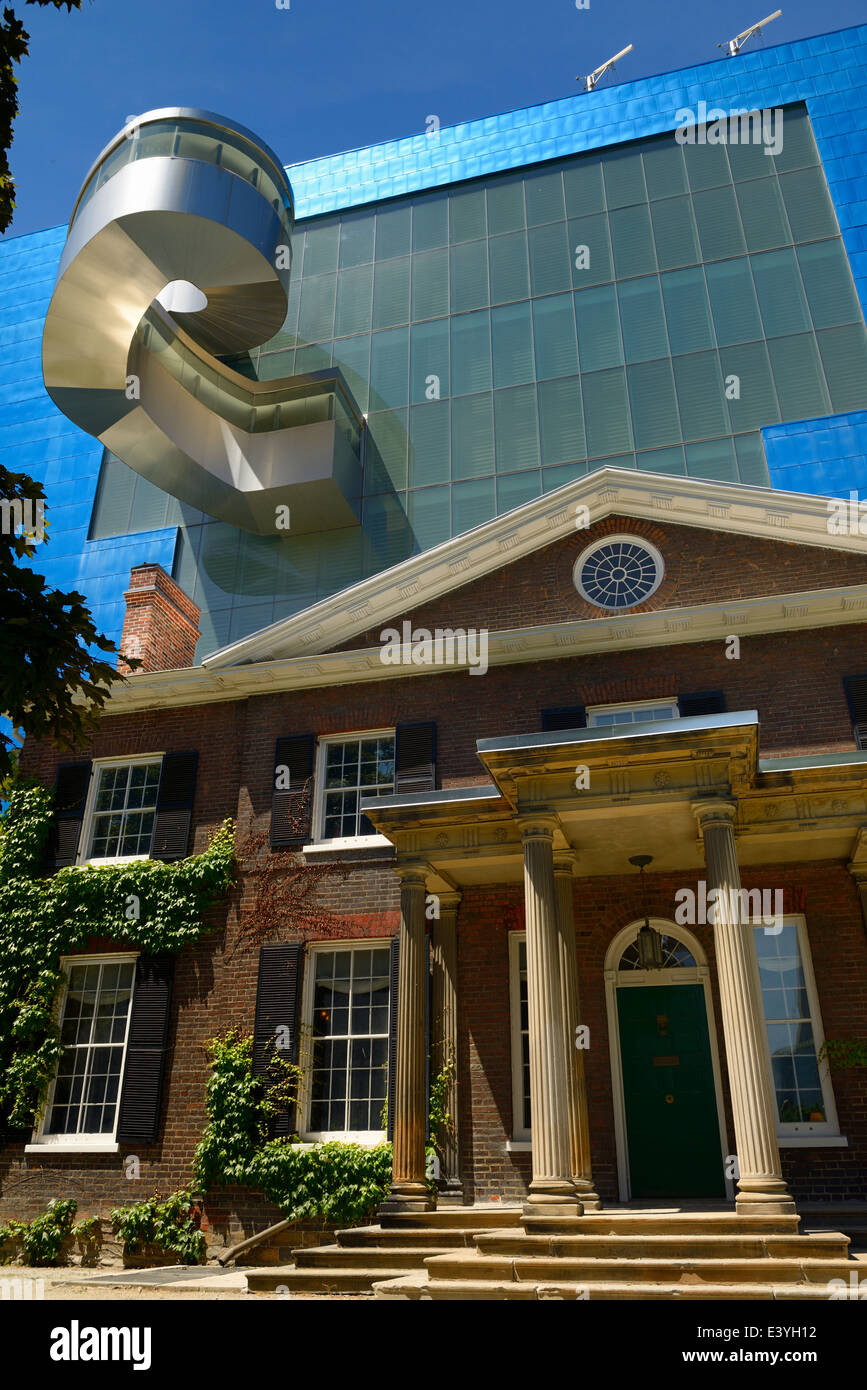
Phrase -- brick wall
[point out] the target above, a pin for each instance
(161, 624)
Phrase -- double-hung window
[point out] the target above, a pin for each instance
(119, 822)
(645, 712)
(349, 768)
(347, 1043)
(800, 1079)
(94, 1021)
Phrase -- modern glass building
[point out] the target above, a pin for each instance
(512, 303)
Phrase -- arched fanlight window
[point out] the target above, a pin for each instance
(674, 954)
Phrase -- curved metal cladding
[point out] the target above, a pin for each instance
(183, 195)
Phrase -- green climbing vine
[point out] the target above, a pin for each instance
(40, 1241)
(152, 905)
(169, 1226)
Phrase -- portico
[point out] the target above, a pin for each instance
(562, 808)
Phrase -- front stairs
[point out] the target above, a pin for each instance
(636, 1255)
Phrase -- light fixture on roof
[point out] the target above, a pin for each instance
(592, 78)
(734, 46)
(648, 941)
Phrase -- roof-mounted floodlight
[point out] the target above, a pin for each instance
(734, 46)
(591, 80)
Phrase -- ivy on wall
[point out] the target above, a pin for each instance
(154, 906)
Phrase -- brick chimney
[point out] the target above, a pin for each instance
(161, 626)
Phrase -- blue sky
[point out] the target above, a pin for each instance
(329, 75)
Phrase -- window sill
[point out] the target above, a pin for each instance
(79, 1146)
(366, 1139)
(518, 1146)
(359, 842)
(112, 863)
(812, 1141)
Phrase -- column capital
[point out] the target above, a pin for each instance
(539, 826)
(412, 871)
(565, 861)
(714, 810)
(449, 902)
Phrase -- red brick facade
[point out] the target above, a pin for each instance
(161, 626)
(793, 679)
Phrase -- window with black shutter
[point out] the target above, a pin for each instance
(147, 1046)
(856, 696)
(70, 799)
(292, 794)
(415, 758)
(564, 717)
(174, 808)
(275, 1030)
(701, 702)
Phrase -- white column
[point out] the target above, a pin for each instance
(552, 1190)
(761, 1189)
(444, 1031)
(579, 1126)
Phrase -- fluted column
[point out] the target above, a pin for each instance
(579, 1126)
(552, 1190)
(409, 1190)
(445, 1029)
(859, 873)
(761, 1189)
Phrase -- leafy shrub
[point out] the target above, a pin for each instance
(169, 1225)
(41, 1239)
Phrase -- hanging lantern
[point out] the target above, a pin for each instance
(648, 942)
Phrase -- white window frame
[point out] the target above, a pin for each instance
(100, 765)
(593, 710)
(799, 1133)
(601, 544)
(366, 1137)
(41, 1142)
(319, 841)
(520, 1132)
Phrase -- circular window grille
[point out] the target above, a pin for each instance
(619, 572)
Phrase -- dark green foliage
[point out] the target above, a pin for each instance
(41, 1239)
(168, 1226)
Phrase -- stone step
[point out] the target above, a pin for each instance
(326, 1257)
(415, 1287)
(737, 1245)
(469, 1264)
(463, 1217)
(661, 1223)
(290, 1279)
(391, 1238)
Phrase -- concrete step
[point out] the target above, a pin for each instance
(392, 1238)
(414, 1287)
(336, 1280)
(326, 1257)
(462, 1217)
(469, 1264)
(824, 1246)
(661, 1223)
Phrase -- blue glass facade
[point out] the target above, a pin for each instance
(515, 301)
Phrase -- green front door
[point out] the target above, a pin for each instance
(671, 1116)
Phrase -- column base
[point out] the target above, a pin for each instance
(406, 1199)
(587, 1196)
(554, 1197)
(773, 1198)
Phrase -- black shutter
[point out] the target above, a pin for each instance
(564, 717)
(856, 696)
(144, 1068)
(70, 799)
(415, 753)
(174, 806)
(291, 805)
(702, 702)
(278, 996)
(393, 967)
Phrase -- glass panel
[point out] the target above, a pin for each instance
(706, 165)
(554, 336)
(624, 177)
(320, 248)
(654, 409)
(582, 181)
(512, 345)
(469, 276)
(781, 298)
(505, 199)
(467, 214)
(356, 238)
(828, 282)
(385, 465)
(712, 460)
(509, 266)
(719, 224)
(762, 214)
(429, 360)
(642, 320)
(590, 251)
(687, 310)
(844, 355)
(799, 147)
(353, 301)
(516, 489)
(389, 362)
(473, 503)
(561, 422)
(471, 353)
(352, 356)
(549, 258)
(428, 512)
(798, 377)
(543, 194)
(391, 292)
(430, 284)
(808, 204)
(756, 404)
(393, 232)
(430, 222)
(752, 465)
(429, 444)
(472, 436)
(316, 319)
(663, 167)
(515, 429)
(632, 241)
(700, 395)
(733, 302)
(606, 413)
(662, 461)
(674, 233)
(598, 328)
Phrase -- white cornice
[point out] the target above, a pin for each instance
(195, 685)
(729, 507)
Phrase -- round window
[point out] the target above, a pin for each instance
(618, 572)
